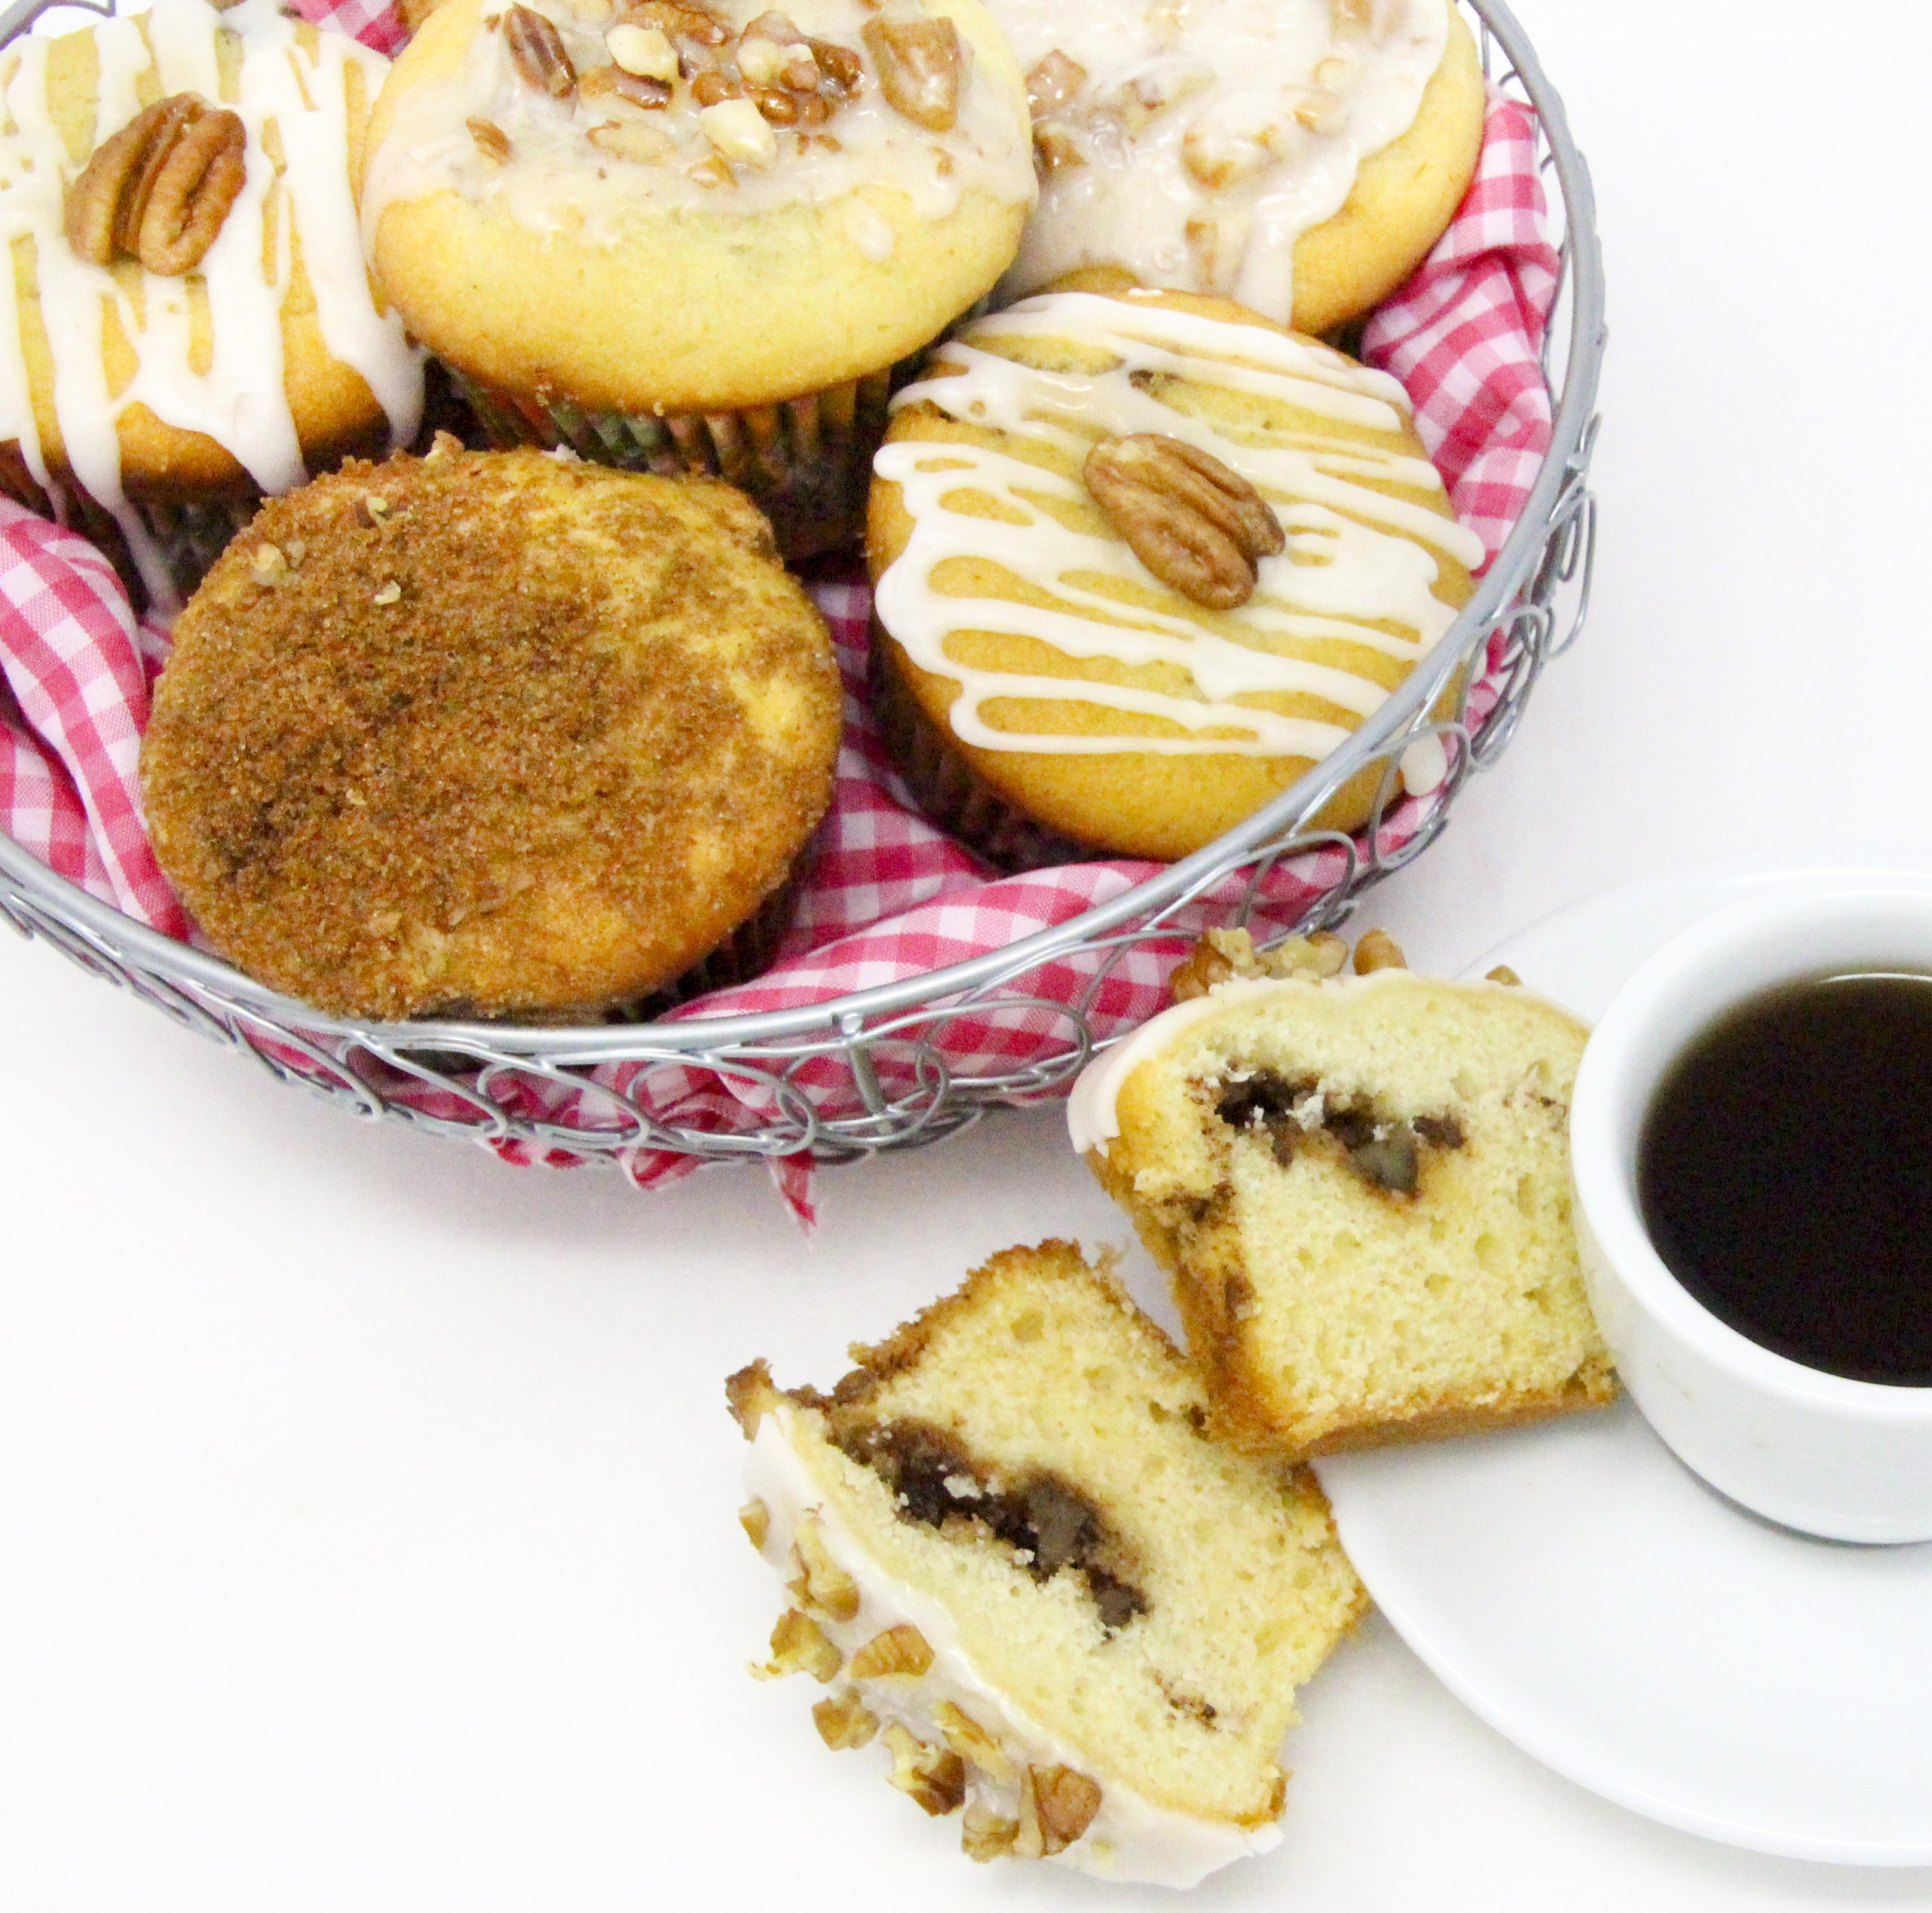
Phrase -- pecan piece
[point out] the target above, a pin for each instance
(935, 1776)
(840, 64)
(160, 188)
(1376, 949)
(645, 52)
(921, 66)
(613, 82)
(1194, 523)
(1052, 84)
(900, 1650)
(537, 52)
(492, 141)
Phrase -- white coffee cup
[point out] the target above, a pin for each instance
(1851, 1460)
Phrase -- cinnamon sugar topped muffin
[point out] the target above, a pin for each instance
(489, 734)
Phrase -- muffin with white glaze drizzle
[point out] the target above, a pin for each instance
(1301, 156)
(698, 236)
(1141, 560)
(192, 325)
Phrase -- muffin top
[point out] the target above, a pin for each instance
(694, 206)
(488, 733)
(1147, 556)
(207, 322)
(1201, 144)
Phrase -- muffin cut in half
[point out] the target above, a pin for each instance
(1361, 1188)
(1021, 1563)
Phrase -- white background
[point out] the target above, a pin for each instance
(367, 1509)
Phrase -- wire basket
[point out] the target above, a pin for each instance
(875, 1070)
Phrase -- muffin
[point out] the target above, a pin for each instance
(1361, 1187)
(1141, 560)
(1301, 156)
(1023, 1571)
(489, 734)
(192, 325)
(693, 238)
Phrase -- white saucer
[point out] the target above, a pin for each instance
(1593, 1601)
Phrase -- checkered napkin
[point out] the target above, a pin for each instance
(886, 896)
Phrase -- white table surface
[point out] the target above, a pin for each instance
(367, 1509)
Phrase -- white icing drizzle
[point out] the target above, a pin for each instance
(1131, 1838)
(1093, 1107)
(1369, 570)
(1210, 135)
(300, 92)
(554, 180)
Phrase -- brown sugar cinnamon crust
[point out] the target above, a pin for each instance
(487, 733)
(1361, 1188)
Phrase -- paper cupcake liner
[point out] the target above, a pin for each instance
(747, 953)
(942, 783)
(188, 535)
(806, 463)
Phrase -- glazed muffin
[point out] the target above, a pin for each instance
(687, 239)
(489, 734)
(192, 325)
(1301, 156)
(1141, 560)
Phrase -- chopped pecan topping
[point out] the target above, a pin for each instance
(840, 64)
(900, 1650)
(973, 1743)
(799, 1646)
(645, 51)
(492, 141)
(842, 1721)
(1195, 524)
(739, 132)
(1220, 954)
(1067, 1802)
(985, 1835)
(158, 190)
(614, 83)
(680, 22)
(822, 1585)
(921, 66)
(1054, 147)
(1054, 83)
(537, 52)
(642, 144)
(934, 1776)
(1376, 949)
(1056, 1806)
(776, 105)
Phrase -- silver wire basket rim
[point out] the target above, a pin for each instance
(587, 1045)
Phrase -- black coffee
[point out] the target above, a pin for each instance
(1784, 1173)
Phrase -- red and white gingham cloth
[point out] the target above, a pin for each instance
(886, 895)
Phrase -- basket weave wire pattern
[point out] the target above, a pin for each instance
(820, 1075)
